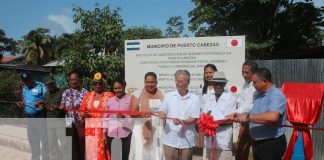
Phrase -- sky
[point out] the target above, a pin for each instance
(18, 17)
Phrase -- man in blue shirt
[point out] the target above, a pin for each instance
(33, 96)
(266, 117)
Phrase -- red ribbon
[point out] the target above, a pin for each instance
(306, 138)
(208, 125)
(184, 127)
(108, 111)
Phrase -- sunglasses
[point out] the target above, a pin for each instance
(100, 83)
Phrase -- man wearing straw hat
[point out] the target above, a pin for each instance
(220, 105)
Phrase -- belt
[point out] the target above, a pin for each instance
(269, 139)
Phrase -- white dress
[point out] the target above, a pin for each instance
(154, 151)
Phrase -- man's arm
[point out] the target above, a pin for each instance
(190, 120)
(263, 118)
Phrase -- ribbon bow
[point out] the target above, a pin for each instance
(208, 125)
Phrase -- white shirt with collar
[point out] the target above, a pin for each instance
(246, 99)
(181, 107)
(223, 107)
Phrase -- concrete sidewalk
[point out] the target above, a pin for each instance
(14, 143)
(14, 137)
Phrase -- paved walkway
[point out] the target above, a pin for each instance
(14, 144)
(8, 153)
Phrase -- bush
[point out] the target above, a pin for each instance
(10, 92)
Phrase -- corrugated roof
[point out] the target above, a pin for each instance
(25, 67)
(9, 58)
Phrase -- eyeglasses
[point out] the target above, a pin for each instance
(100, 83)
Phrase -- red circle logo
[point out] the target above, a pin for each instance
(234, 42)
(233, 89)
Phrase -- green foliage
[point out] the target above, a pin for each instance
(96, 47)
(175, 27)
(36, 46)
(143, 32)
(101, 28)
(59, 45)
(83, 59)
(10, 91)
(7, 44)
(268, 25)
(9, 86)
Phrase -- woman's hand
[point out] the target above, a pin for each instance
(104, 138)
(146, 115)
(120, 115)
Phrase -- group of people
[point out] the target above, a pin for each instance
(166, 127)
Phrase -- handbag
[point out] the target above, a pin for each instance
(79, 126)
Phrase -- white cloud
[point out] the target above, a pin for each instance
(64, 21)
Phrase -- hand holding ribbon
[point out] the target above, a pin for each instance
(208, 126)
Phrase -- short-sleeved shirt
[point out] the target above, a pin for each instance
(272, 100)
(32, 95)
(67, 102)
(118, 127)
(55, 100)
(181, 107)
(223, 107)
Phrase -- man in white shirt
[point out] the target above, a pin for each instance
(219, 106)
(182, 109)
(245, 105)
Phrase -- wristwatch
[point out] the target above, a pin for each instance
(248, 118)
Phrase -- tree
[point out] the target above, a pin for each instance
(35, 46)
(83, 59)
(143, 32)
(101, 28)
(59, 45)
(175, 27)
(10, 91)
(7, 44)
(268, 25)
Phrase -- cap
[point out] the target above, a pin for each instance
(25, 76)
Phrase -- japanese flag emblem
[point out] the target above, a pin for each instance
(234, 42)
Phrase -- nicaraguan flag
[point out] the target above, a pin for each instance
(234, 42)
(133, 46)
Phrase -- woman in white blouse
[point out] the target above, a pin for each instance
(146, 142)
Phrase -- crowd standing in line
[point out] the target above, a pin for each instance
(171, 134)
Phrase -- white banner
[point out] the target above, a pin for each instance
(166, 56)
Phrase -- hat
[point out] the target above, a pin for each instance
(25, 76)
(50, 79)
(219, 77)
(98, 77)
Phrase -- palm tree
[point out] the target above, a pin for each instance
(35, 46)
(60, 45)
